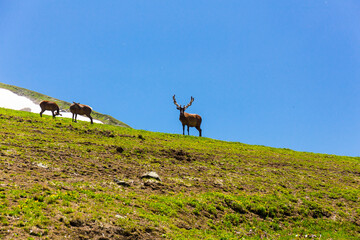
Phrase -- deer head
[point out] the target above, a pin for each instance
(77, 105)
(179, 107)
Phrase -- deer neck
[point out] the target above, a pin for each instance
(183, 115)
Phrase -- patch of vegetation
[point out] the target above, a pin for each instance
(60, 180)
(38, 97)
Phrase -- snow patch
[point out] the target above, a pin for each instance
(10, 100)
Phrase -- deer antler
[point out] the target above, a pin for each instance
(177, 105)
(191, 101)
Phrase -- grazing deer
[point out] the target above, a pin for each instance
(51, 106)
(77, 108)
(190, 120)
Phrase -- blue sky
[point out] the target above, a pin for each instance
(277, 73)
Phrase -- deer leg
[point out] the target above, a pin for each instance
(53, 114)
(188, 129)
(183, 129)
(199, 129)
(75, 117)
(91, 119)
(41, 112)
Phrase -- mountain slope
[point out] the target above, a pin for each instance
(60, 180)
(38, 97)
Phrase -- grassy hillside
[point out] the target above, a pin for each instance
(38, 97)
(63, 180)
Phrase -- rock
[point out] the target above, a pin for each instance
(219, 182)
(122, 183)
(42, 165)
(153, 175)
(76, 223)
(35, 231)
(119, 149)
(26, 109)
(153, 184)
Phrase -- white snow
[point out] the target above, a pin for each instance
(10, 100)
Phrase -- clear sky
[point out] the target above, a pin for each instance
(282, 73)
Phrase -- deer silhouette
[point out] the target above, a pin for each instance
(51, 106)
(188, 119)
(77, 108)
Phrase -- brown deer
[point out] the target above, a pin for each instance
(77, 108)
(190, 120)
(51, 106)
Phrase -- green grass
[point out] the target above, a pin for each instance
(57, 180)
(38, 97)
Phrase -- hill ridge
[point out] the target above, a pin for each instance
(37, 97)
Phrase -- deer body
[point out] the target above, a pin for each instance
(50, 106)
(77, 108)
(188, 119)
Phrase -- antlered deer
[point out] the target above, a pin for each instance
(51, 106)
(77, 108)
(190, 120)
